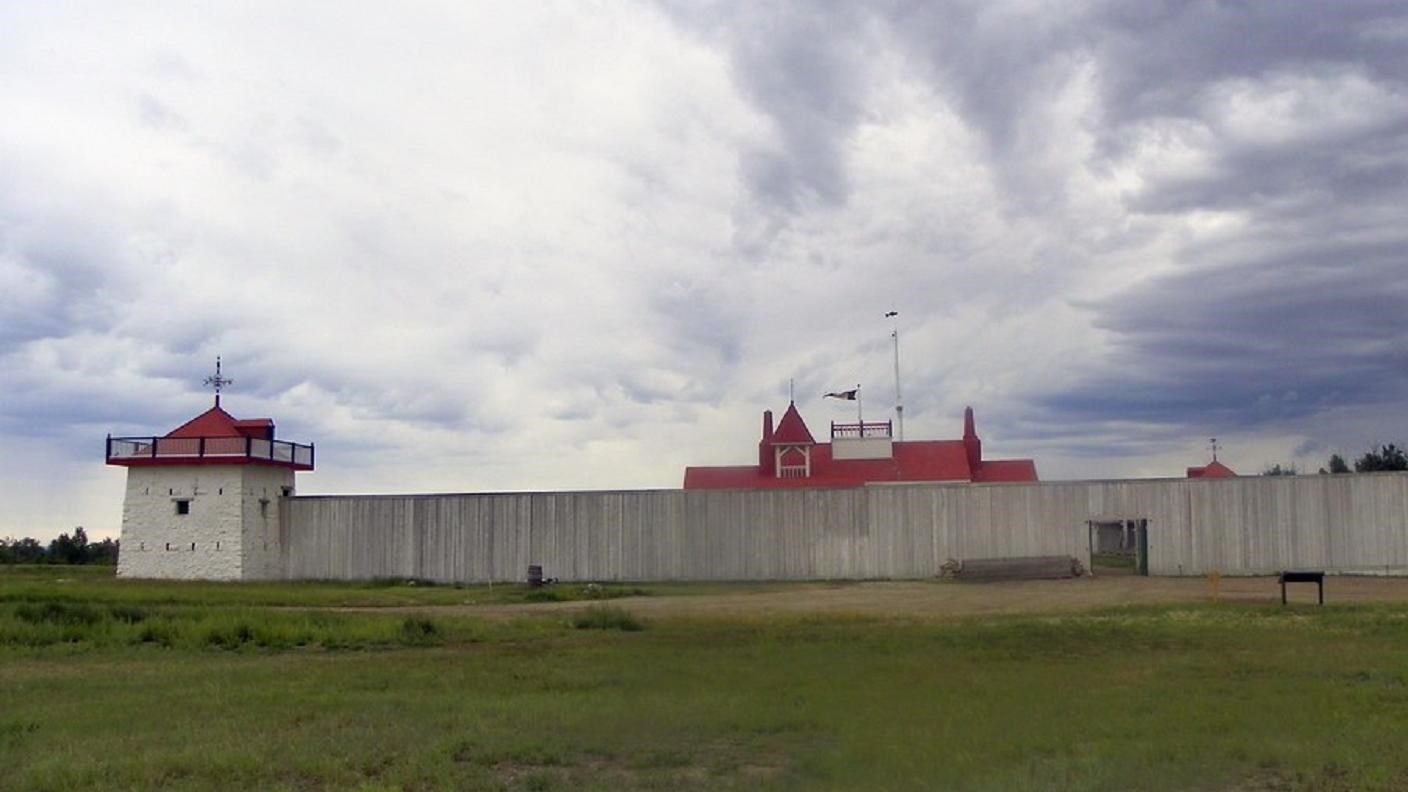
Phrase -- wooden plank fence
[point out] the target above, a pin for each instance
(1254, 525)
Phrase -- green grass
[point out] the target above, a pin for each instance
(1113, 561)
(92, 584)
(1214, 696)
(83, 627)
(599, 617)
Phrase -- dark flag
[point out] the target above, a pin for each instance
(849, 395)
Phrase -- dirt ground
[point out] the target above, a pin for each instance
(947, 599)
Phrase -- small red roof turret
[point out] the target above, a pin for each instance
(792, 430)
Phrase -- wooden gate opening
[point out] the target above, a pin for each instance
(1119, 545)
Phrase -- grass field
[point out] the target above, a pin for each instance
(118, 684)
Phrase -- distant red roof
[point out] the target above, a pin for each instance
(911, 461)
(215, 422)
(1006, 471)
(1213, 469)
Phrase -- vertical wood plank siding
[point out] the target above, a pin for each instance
(1346, 523)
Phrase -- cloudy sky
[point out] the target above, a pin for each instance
(559, 245)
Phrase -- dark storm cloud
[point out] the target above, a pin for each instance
(804, 66)
(1294, 120)
(1303, 312)
(1252, 344)
(54, 265)
(1161, 57)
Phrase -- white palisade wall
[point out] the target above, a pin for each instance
(231, 531)
(1254, 525)
(239, 528)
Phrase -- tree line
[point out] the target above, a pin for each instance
(66, 549)
(1384, 457)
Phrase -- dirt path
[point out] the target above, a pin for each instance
(943, 599)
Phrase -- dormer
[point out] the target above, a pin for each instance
(792, 444)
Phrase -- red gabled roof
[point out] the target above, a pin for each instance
(212, 438)
(927, 460)
(1005, 471)
(792, 430)
(215, 422)
(1213, 469)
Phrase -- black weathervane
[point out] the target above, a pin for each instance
(1212, 443)
(217, 382)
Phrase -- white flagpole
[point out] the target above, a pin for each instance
(899, 399)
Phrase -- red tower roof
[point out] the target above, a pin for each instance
(212, 438)
(1213, 469)
(792, 430)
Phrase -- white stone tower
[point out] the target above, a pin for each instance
(203, 501)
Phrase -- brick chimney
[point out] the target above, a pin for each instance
(971, 444)
(765, 455)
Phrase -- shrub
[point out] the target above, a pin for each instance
(161, 633)
(419, 631)
(599, 617)
(215, 627)
(228, 635)
(67, 613)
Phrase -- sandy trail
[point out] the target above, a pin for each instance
(926, 599)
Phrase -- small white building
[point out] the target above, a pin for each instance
(203, 501)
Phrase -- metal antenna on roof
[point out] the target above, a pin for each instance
(899, 400)
(1212, 443)
(218, 381)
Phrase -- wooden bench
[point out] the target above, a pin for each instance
(1302, 576)
(1018, 568)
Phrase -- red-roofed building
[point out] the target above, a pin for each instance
(858, 454)
(1213, 469)
(212, 438)
(203, 500)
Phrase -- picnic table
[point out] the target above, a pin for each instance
(1303, 576)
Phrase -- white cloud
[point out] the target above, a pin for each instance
(1297, 107)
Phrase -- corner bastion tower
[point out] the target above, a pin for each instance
(203, 500)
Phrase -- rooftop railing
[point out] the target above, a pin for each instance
(864, 429)
(123, 450)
